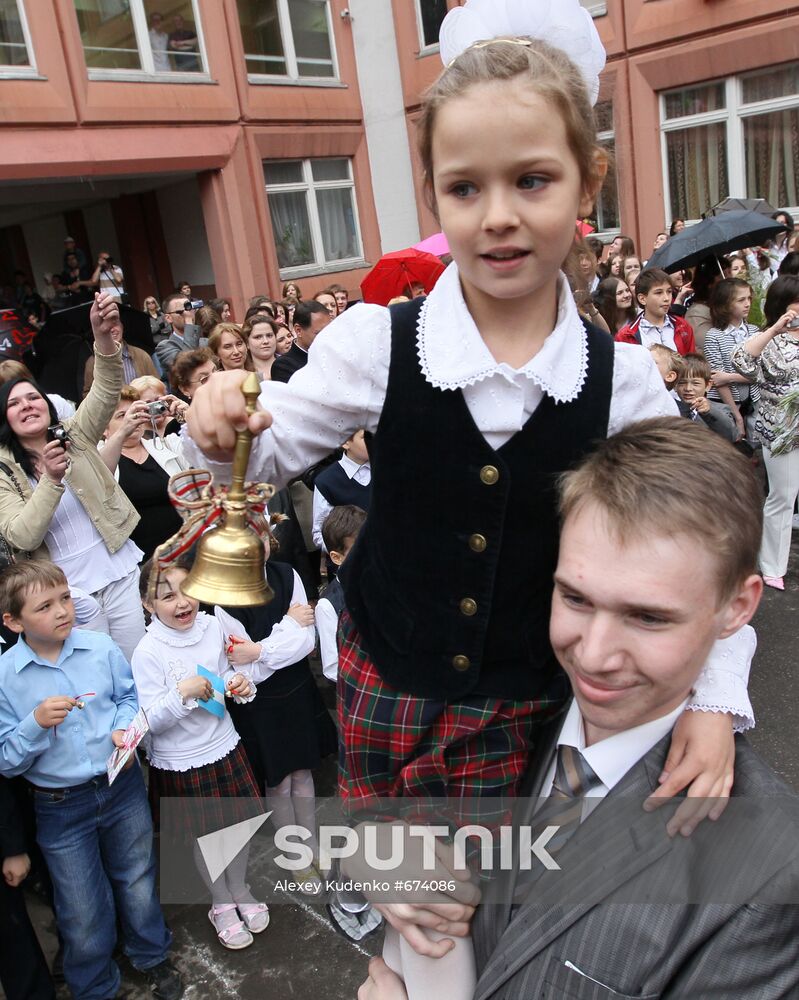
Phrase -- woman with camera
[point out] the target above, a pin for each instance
(771, 360)
(58, 500)
(142, 467)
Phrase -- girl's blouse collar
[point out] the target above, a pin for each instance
(453, 355)
(171, 636)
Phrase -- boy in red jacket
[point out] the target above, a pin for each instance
(654, 325)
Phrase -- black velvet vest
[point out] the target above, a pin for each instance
(450, 580)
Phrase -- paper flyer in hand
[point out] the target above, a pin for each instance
(134, 734)
(216, 704)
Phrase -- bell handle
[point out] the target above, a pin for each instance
(251, 388)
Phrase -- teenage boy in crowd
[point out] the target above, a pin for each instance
(654, 325)
(66, 699)
(632, 629)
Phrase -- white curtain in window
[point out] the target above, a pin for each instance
(337, 220)
(291, 228)
(772, 153)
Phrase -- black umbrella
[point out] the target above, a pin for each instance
(714, 237)
(742, 205)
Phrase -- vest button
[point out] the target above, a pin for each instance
(489, 474)
(468, 607)
(477, 543)
(461, 663)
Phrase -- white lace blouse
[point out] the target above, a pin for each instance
(343, 387)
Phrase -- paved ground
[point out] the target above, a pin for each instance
(300, 956)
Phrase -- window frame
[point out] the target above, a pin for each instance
(425, 48)
(602, 137)
(291, 77)
(733, 117)
(31, 70)
(596, 8)
(148, 72)
(308, 186)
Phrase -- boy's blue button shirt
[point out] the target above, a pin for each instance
(76, 750)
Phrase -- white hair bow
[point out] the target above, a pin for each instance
(563, 24)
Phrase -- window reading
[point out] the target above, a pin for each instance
(737, 137)
(292, 39)
(314, 217)
(140, 36)
(14, 49)
(430, 14)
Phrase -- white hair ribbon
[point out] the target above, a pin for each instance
(564, 24)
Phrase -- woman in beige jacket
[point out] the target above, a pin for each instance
(62, 503)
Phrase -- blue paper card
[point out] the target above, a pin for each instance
(216, 704)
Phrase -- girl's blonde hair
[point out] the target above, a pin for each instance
(548, 70)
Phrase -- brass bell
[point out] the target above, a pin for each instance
(229, 566)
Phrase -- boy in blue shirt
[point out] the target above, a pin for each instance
(66, 699)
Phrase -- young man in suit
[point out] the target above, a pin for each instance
(309, 319)
(655, 565)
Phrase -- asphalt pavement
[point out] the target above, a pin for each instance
(301, 956)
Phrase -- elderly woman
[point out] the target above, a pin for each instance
(59, 501)
(142, 468)
(193, 369)
(771, 360)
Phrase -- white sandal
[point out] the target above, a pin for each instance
(255, 916)
(235, 935)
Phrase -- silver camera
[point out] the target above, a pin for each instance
(156, 408)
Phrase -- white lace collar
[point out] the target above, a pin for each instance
(452, 354)
(171, 636)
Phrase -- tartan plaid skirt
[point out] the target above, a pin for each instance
(397, 744)
(229, 779)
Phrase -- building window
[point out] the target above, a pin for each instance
(290, 39)
(607, 204)
(737, 137)
(148, 37)
(314, 216)
(430, 14)
(15, 46)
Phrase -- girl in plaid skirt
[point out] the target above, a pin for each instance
(192, 752)
(475, 399)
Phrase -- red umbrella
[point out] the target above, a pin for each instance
(395, 272)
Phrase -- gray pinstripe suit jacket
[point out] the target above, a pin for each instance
(648, 949)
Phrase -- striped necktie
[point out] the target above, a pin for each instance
(574, 778)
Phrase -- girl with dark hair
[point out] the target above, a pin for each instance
(614, 301)
(781, 239)
(261, 336)
(729, 306)
(222, 306)
(676, 227)
(771, 360)
(58, 500)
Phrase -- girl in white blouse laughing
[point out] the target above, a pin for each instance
(192, 752)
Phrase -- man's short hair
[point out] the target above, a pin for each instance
(639, 479)
(651, 278)
(166, 305)
(341, 523)
(695, 366)
(304, 311)
(20, 578)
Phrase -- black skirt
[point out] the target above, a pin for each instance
(287, 727)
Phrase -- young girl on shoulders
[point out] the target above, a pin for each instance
(286, 730)
(192, 752)
(446, 672)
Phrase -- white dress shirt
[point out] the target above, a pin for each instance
(326, 618)
(321, 508)
(611, 758)
(651, 334)
(287, 643)
(343, 387)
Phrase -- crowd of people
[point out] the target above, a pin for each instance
(437, 468)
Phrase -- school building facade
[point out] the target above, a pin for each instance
(241, 143)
